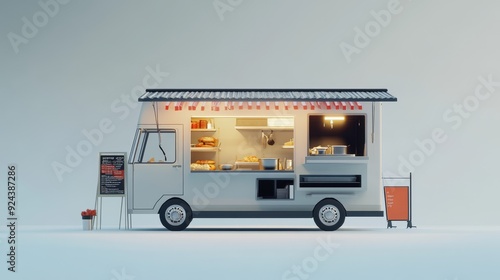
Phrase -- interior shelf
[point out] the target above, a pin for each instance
(204, 149)
(203, 130)
(264, 127)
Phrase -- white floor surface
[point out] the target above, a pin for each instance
(255, 249)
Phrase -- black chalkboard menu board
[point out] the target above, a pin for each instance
(112, 168)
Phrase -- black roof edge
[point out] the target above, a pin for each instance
(265, 89)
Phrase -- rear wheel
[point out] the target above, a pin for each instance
(175, 214)
(329, 214)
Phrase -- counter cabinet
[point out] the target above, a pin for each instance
(281, 188)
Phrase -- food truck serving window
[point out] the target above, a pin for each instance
(150, 150)
(338, 130)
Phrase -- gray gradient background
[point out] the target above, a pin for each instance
(92, 53)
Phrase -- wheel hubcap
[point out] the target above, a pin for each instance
(329, 215)
(175, 215)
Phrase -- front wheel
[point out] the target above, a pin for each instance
(175, 214)
(329, 214)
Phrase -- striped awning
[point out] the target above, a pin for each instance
(267, 99)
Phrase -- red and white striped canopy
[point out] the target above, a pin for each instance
(259, 105)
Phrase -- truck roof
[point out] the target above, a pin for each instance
(194, 95)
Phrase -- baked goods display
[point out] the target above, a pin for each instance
(205, 161)
(203, 165)
(248, 163)
(206, 142)
(251, 159)
(289, 143)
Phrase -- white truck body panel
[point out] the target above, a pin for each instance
(151, 184)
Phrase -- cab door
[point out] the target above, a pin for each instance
(156, 165)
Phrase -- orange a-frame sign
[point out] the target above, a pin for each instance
(397, 203)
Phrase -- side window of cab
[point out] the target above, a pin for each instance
(154, 146)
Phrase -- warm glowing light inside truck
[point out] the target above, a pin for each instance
(333, 118)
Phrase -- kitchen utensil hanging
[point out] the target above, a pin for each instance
(267, 139)
(270, 140)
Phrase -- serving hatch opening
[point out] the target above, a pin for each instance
(328, 130)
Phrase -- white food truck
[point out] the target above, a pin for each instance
(257, 153)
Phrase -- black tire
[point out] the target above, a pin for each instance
(329, 214)
(175, 214)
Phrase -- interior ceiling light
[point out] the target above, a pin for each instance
(333, 118)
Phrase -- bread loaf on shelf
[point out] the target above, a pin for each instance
(206, 162)
(206, 141)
